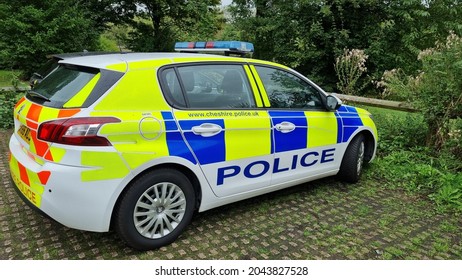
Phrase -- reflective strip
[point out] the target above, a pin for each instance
(20, 101)
(367, 121)
(294, 140)
(55, 154)
(175, 142)
(48, 114)
(23, 174)
(17, 106)
(108, 165)
(37, 146)
(36, 114)
(44, 176)
(266, 101)
(135, 91)
(255, 91)
(350, 121)
(148, 64)
(339, 128)
(207, 150)
(79, 98)
(66, 113)
(347, 132)
(33, 115)
(322, 129)
(22, 111)
(27, 182)
(242, 133)
(136, 148)
(120, 67)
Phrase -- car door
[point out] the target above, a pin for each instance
(222, 120)
(305, 134)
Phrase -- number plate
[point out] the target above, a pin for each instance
(24, 132)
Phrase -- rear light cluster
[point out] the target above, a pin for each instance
(75, 131)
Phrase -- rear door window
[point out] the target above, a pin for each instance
(214, 86)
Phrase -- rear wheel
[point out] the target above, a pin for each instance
(155, 209)
(353, 160)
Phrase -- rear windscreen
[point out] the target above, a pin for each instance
(62, 84)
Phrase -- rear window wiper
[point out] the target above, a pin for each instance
(38, 95)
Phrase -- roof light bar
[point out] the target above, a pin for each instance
(228, 47)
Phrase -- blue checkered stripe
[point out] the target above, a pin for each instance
(348, 121)
(175, 142)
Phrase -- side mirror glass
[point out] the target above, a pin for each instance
(333, 103)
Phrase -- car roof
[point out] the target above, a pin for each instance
(123, 61)
(61, 56)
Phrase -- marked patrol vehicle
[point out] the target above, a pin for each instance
(140, 141)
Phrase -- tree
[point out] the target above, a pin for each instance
(30, 30)
(159, 23)
(309, 34)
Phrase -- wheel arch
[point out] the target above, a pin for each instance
(370, 143)
(183, 169)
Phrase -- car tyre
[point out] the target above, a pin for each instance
(353, 160)
(155, 209)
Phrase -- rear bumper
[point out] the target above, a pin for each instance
(58, 192)
(26, 201)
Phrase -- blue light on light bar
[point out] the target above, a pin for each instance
(218, 46)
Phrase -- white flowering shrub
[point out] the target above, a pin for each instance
(350, 67)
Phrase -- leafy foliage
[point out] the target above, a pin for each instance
(418, 171)
(437, 90)
(399, 131)
(404, 162)
(7, 101)
(308, 35)
(159, 23)
(31, 30)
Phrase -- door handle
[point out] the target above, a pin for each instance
(285, 127)
(207, 129)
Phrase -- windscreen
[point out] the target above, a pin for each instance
(62, 84)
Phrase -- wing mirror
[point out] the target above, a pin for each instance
(333, 103)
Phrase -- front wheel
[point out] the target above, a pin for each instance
(353, 160)
(155, 209)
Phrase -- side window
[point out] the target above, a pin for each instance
(286, 90)
(173, 84)
(209, 86)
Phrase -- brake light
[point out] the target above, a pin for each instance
(75, 131)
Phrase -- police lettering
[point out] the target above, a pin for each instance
(25, 190)
(259, 168)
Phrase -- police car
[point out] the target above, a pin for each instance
(138, 142)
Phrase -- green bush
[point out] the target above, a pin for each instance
(400, 133)
(417, 171)
(403, 160)
(436, 91)
(454, 143)
(398, 130)
(7, 101)
(449, 195)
